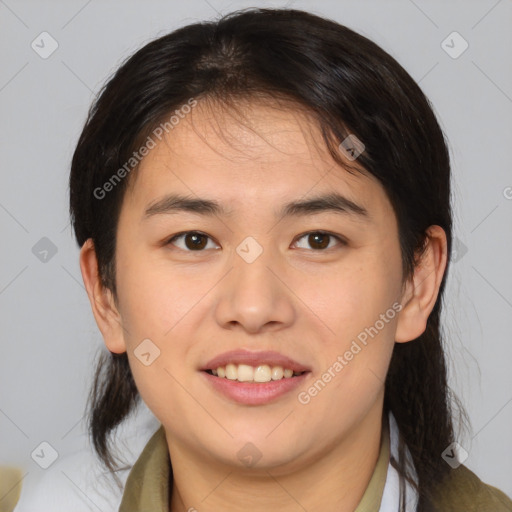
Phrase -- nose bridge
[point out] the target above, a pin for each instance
(253, 297)
(251, 269)
(254, 283)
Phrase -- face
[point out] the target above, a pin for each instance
(250, 286)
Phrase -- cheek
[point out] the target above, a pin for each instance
(354, 295)
(359, 304)
(156, 298)
(159, 306)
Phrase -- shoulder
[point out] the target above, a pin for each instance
(463, 491)
(78, 481)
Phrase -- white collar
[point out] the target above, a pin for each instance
(391, 495)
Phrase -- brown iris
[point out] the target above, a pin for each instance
(195, 241)
(318, 240)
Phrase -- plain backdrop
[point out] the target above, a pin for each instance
(48, 333)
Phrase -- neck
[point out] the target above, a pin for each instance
(334, 480)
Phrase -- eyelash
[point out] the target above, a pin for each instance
(341, 241)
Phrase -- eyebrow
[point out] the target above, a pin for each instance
(330, 202)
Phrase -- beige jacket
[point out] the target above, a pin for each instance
(147, 487)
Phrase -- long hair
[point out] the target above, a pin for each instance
(350, 86)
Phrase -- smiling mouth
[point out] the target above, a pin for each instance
(259, 374)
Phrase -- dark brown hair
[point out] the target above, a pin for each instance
(350, 85)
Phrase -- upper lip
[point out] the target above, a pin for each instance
(268, 357)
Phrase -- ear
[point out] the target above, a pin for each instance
(102, 300)
(421, 290)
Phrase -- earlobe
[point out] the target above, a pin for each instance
(102, 301)
(421, 291)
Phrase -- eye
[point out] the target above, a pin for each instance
(319, 240)
(194, 241)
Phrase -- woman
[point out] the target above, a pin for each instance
(263, 209)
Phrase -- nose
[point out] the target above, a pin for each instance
(254, 297)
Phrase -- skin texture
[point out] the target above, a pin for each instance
(306, 302)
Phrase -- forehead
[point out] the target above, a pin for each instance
(254, 150)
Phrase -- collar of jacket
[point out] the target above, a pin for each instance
(147, 486)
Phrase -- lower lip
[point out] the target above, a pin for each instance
(254, 393)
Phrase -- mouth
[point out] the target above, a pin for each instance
(254, 378)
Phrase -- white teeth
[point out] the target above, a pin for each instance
(262, 373)
(231, 372)
(277, 373)
(247, 373)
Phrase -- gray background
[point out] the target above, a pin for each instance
(49, 336)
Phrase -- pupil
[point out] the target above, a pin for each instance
(314, 240)
(196, 241)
